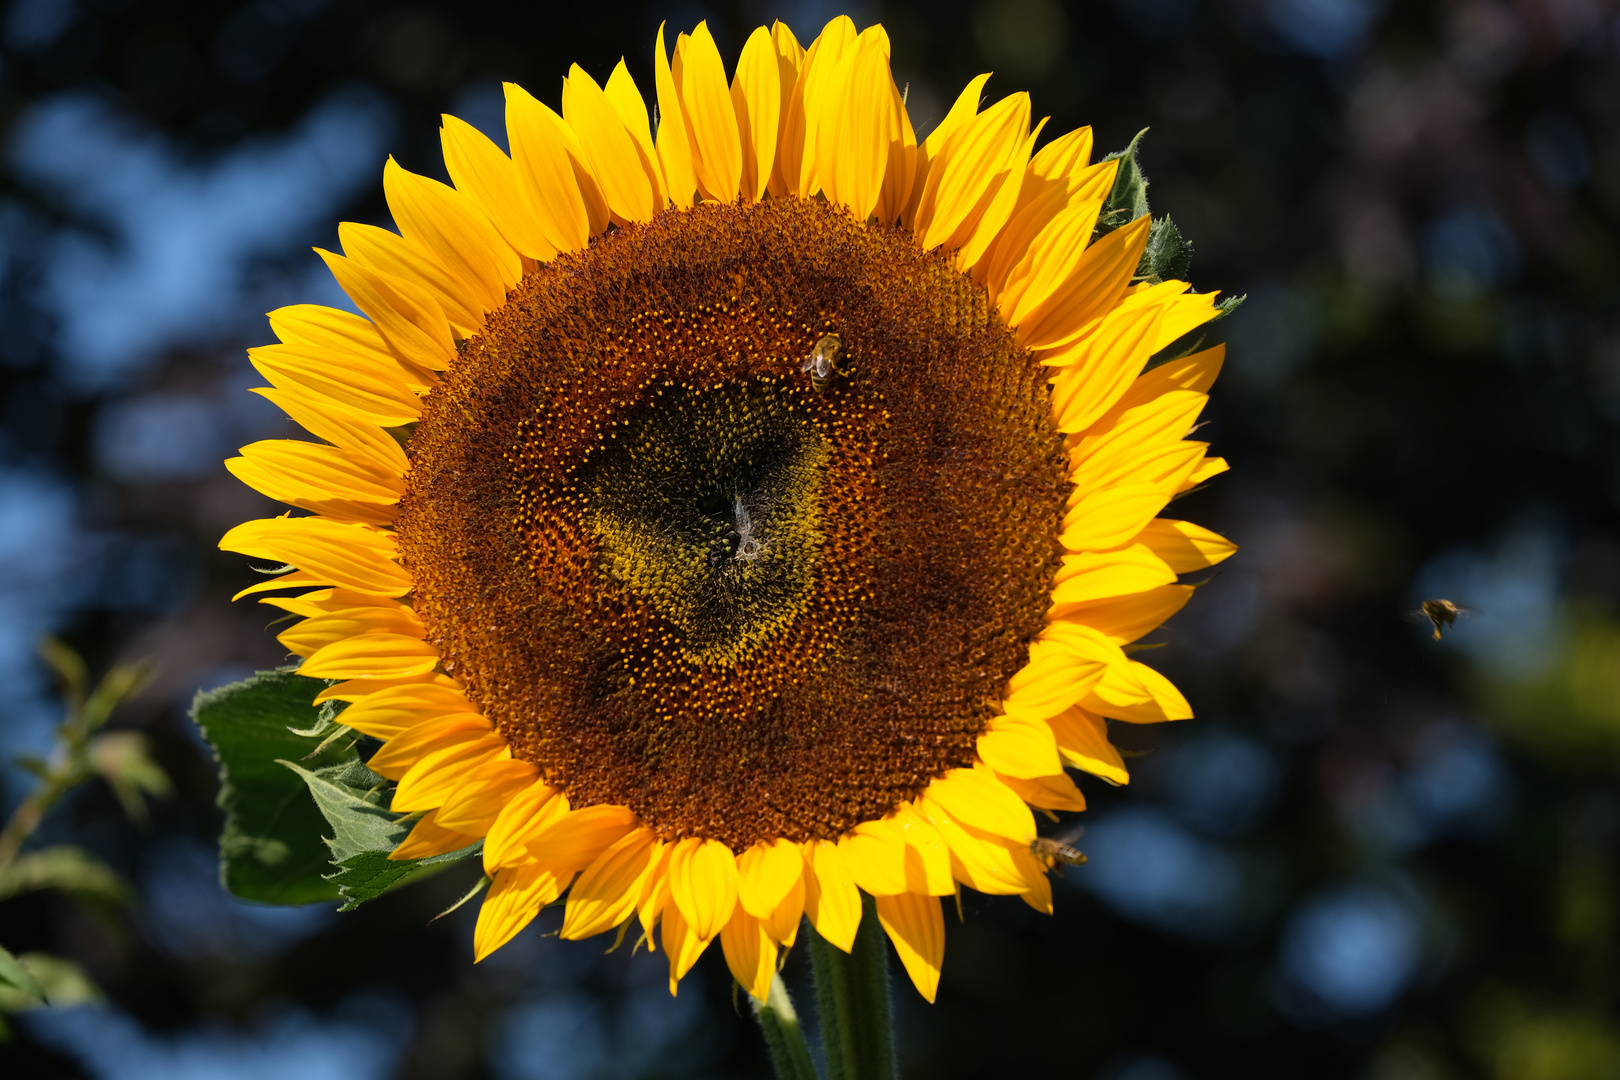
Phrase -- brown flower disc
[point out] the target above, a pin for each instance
(681, 578)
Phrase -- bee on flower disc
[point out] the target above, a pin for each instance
(822, 363)
(1440, 613)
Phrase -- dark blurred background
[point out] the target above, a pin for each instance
(1372, 856)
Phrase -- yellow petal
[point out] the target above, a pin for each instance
(1048, 792)
(435, 776)
(972, 166)
(976, 798)
(1082, 739)
(928, 857)
(711, 118)
(313, 634)
(389, 712)
(756, 96)
(1019, 747)
(483, 171)
(606, 893)
(854, 126)
(876, 858)
(618, 163)
(1085, 390)
(1208, 468)
(675, 151)
(1102, 575)
(766, 874)
(347, 338)
(1185, 547)
(1138, 694)
(525, 816)
(410, 320)
(831, 901)
(546, 175)
(371, 656)
(750, 953)
(360, 391)
(359, 689)
(1113, 516)
(977, 860)
(796, 150)
(410, 260)
(428, 838)
(1058, 674)
(654, 895)
(350, 555)
(1106, 454)
(573, 841)
(325, 471)
(964, 109)
(380, 450)
(703, 884)
(1094, 289)
(916, 925)
(516, 895)
(290, 580)
(627, 101)
(474, 806)
(1050, 259)
(1124, 619)
(987, 230)
(789, 58)
(683, 946)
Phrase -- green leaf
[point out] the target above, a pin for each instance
(17, 981)
(55, 981)
(1229, 305)
(272, 849)
(1128, 200)
(71, 869)
(350, 796)
(1167, 254)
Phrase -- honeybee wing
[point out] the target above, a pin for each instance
(1068, 836)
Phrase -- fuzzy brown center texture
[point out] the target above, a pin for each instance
(695, 559)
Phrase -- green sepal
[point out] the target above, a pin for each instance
(272, 849)
(1167, 256)
(351, 797)
(1229, 304)
(1128, 200)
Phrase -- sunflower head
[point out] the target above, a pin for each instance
(725, 521)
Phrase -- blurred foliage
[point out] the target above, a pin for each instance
(1372, 856)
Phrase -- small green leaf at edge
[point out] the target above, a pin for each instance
(61, 982)
(273, 847)
(364, 832)
(19, 978)
(70, 869)
(1128, 200)
(1167, 254)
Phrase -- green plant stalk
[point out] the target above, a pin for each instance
(852, 997)
(62, 778)
(69, 764)
(790, 1056)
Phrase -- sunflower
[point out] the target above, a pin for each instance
(723, 521)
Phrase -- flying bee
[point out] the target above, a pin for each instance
(1054, 850)
(1440, 613)
(822, 363)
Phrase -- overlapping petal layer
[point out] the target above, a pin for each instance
(829, 122)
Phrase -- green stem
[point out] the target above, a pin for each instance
(852, 994)
(790, 1057)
